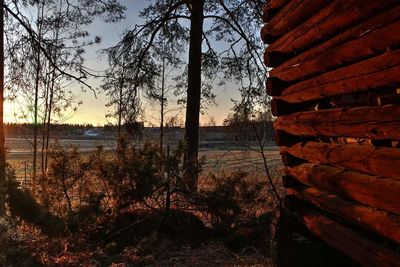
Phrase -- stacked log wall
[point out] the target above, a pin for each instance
(334, 80)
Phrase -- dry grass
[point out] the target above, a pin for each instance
(214, 254)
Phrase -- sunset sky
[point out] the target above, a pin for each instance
(93, 109)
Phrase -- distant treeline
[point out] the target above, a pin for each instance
(243, 131)
(21, 129)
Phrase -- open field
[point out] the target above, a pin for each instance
(250, 161)
(226, 158)
(21, 146)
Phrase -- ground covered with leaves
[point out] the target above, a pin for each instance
(136, 240)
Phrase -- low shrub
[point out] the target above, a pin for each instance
(232, 200)
(67, 182)
(132, 175)
(142, 177)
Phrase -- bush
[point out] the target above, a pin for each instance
(233, 200)
(66, 183)
(133, 174)
(68, 191)
(139, 175)
(79, 188)
(87, 215)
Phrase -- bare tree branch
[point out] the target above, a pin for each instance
(34, 39)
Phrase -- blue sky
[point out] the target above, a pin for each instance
(93, 109)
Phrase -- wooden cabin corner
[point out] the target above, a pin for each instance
(334, 80)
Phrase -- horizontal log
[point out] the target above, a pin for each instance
(379, 72)
(364, 98)
(374, 191)
(362, 250)
(290, 16)
(372, 25)
(271, 8)
(378, 221)
(367, 122)
(338, 16)
(364, 158)
(372, 43)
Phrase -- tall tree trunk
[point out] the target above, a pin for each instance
(162, 100)
(3, 183)
(52, 88)
(119, 114)
(120, 103)
(36, 101)
(48, 123)
(193, 94)
(44, 125)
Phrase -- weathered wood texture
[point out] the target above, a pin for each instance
(373, 24)
(363, 158)
(381, 97)
(380, 221)
(364, 251)
(291, 15)
(271, 8)
(364, 188)
(363, 122)
(371, 43)
(336, 17)
(378, 72)
(335, 85)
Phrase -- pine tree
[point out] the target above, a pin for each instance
(193, 27)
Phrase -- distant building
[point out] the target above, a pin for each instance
(94, 132)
